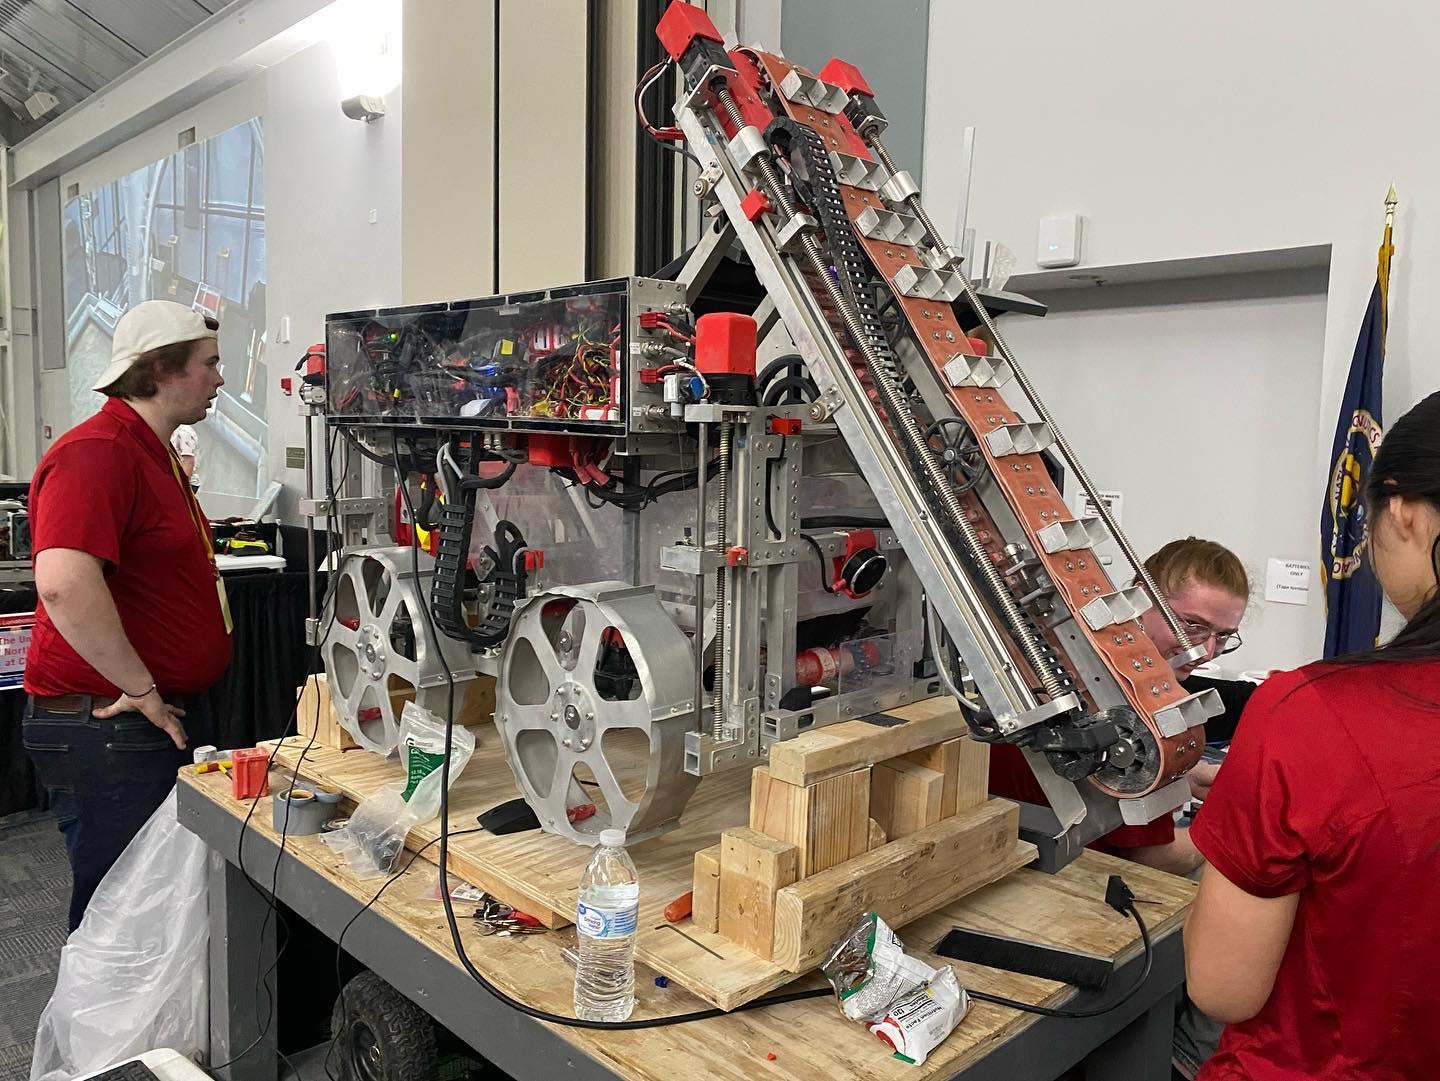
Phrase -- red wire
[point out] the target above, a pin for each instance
(676, 331)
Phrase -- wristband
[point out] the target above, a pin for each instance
(141, 695)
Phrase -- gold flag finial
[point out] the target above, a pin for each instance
(1391, 200)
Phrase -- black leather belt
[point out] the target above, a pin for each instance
(72, 703)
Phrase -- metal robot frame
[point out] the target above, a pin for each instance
(964, 573)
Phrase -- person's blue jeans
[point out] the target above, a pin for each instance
(105, 777)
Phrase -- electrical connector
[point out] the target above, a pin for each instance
(1118, 895)
(651, 320)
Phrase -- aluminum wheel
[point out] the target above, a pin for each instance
(592, 705)
(377, 644)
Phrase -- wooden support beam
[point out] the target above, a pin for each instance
(705, 904)
(901, 881)
(905, 797)
(317, 719)
(827, 822)
(840, 748)
(752, 868)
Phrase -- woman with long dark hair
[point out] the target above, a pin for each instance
(1314, 934)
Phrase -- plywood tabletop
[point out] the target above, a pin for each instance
(810, 1039)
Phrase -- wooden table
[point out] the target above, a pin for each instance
(403, 937)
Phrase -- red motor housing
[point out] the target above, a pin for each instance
(846, 76)
(681, 24)
(725, 344)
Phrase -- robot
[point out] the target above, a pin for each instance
(671, 555)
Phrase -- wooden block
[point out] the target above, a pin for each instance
(966, 765)
(973, 788)
(320, 720)
(905, 797)
(840, 748)
(901, 881)
(478, 706)
(705, 908)
(752, 867)
(877, 835)
(943, 758)
(825, 821)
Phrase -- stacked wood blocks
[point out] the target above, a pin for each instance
(851, 818)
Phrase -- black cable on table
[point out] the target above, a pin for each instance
(273, 908)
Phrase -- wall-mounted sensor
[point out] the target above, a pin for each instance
(1059, 241)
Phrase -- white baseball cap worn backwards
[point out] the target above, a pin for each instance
(147, 326)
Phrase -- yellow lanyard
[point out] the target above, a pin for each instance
(202, 528)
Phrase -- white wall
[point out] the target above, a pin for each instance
(1181, 131)
(1222, 378)
(324, 175)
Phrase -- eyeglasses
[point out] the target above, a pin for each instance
(1200, 633)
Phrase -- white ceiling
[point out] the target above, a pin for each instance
(72, 48)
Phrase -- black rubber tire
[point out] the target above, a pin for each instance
(397, 1037)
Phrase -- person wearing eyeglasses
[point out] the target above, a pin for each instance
(1207, 588)
(1208, 591)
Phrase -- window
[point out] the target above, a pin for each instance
(205, 235)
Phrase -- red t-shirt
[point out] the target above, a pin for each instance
(1011, 777)
(1332, 790)
(107, 488)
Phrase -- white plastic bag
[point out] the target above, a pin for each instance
(905, 1003)
(133, 976)
(375, 834)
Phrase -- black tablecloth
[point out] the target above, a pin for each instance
(253, 701)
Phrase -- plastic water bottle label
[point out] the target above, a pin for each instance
(606, 922)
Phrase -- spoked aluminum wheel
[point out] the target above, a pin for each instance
(377, 645)
(594, 698)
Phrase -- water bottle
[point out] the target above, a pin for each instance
(605, 925)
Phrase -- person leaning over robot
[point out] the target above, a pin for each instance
(1208, 590)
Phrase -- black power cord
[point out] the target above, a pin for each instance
(1118, 897)
(824, 568)
(779, 459)
(273, 909)
(340, 940)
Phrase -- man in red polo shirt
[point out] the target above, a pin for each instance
(132, 627)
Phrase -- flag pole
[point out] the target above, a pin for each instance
(1387, 250)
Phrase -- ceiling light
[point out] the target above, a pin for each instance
(365, 107)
